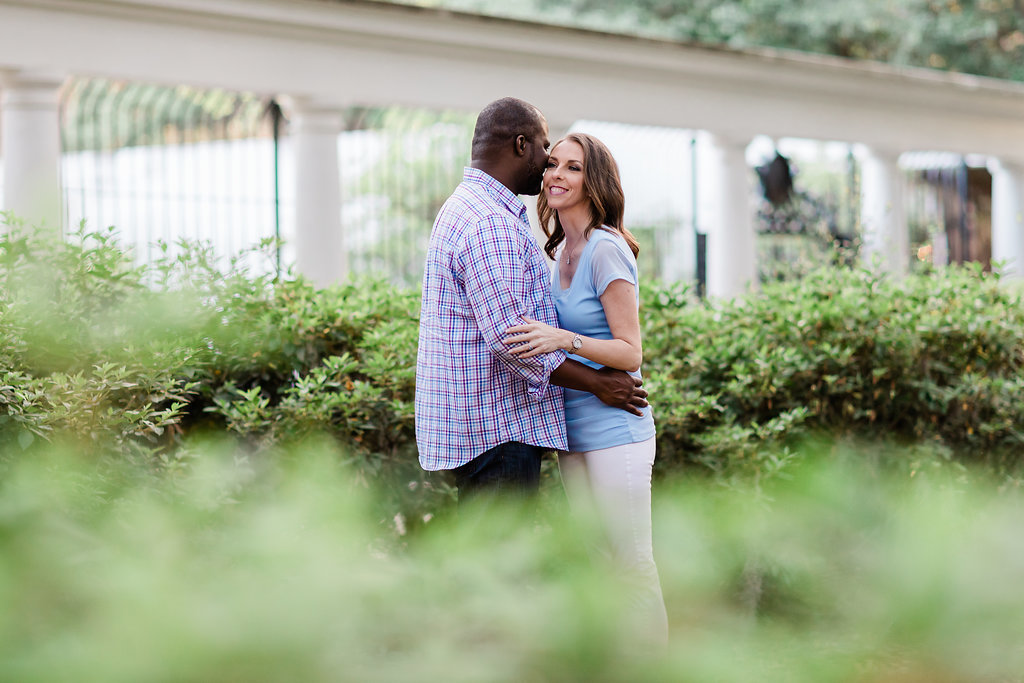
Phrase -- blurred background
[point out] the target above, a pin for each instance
(169, 161)
(208, 464)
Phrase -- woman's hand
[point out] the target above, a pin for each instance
(535, 337)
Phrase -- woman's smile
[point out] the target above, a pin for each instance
(564, 176)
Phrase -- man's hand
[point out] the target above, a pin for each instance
(615, 388)
(620, 390)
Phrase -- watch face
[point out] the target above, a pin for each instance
(577, 342)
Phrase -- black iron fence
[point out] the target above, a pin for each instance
(164, 164)
(397, 167)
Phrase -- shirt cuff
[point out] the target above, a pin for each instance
(538, 388)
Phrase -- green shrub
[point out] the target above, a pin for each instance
(132, 548)
(931, 358)
(134, 360)
(238, 570)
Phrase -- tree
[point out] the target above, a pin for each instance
(984, 37)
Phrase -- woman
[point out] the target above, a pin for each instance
(594, 286)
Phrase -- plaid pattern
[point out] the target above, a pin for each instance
(484, 271)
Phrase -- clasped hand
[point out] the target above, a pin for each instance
(534, 337)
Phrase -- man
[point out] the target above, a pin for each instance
(481, 412)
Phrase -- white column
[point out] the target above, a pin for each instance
(319, 244)
(30, 147)
(883, 219)
(1008, 216)
(731, 245)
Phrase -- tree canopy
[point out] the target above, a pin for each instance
(984, 37)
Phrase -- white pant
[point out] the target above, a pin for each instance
(615, 485)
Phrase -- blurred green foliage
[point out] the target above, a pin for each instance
(210, 474)
(932, 359)
(134, 362)
(134, 359)
(984, 37)
(245, 569)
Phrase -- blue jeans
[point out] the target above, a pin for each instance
(509, 469)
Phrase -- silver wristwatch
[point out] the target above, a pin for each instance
(576, 343)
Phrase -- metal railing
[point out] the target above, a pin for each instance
(163, 164)
(397, 167)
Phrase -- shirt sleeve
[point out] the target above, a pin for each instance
(609, 262)
(494, 268)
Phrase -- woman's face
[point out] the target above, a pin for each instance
(563, 177)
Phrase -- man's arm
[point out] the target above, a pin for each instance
(614, 387)
(497, 290)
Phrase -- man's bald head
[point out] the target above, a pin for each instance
(510, 144)
(501, 121)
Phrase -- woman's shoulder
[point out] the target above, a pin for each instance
(609, 241)
(611, 259)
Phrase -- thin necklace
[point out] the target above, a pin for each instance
(568, 252)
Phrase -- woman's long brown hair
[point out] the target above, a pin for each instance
(604, 189)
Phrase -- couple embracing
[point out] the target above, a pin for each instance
(516, 358)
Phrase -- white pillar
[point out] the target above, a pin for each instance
(1008, 216)
(30, 147)
(731, 241)
(319, 244)
(883, 219)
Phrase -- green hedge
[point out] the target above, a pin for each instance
(115, 574)
(934, 358)
(135, 361)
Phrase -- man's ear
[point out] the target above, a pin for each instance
(520, 145)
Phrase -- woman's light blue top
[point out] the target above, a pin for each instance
(590, 424)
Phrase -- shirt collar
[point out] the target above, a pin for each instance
(497, 190)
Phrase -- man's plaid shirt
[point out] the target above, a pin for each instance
(484, 272)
